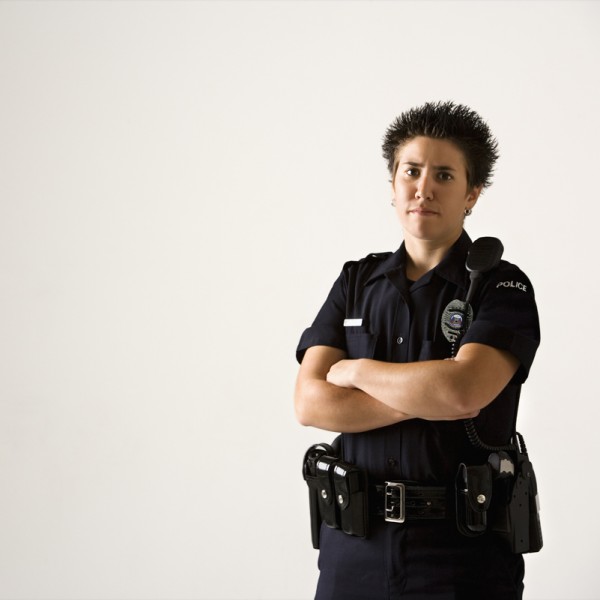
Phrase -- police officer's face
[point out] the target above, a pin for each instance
(430, 189)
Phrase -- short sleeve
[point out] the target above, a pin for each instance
(328, 327)
(506, 317)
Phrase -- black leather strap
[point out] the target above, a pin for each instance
(421, 501)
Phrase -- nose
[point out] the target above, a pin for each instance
(424, 189)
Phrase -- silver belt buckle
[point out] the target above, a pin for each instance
(395, 502)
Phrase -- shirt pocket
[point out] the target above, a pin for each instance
(360, 344)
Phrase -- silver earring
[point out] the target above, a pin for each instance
(468, 211)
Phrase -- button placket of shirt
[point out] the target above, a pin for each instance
(399, 335)
(399, 353)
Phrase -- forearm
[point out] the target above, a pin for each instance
(428, 390)
(327, 406)
(436, 389)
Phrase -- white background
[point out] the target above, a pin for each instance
(180, 184)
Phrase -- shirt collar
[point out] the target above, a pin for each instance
(451, 267)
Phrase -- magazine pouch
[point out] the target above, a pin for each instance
(350, 485)
(315, 490)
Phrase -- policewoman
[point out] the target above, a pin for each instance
(376, 366)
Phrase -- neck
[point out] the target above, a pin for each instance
(424, 255)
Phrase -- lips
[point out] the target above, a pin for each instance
(423, 212)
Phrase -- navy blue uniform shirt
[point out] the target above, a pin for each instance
(373, 311)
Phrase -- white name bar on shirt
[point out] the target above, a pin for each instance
(352, 322)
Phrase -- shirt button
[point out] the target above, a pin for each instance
(400, 340)
(392, 462)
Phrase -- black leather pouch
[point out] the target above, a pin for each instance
(351, 496)
(326, 496)
(310, 473)
(473, 498)
(337, 492)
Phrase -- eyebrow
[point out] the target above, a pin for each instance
(437, 167)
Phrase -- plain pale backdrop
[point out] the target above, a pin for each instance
(180, 184)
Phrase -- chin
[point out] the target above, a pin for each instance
(432, 234)
(424, 232)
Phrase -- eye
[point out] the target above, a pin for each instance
(412, 172)
(445, 176)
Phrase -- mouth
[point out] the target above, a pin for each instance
(422, 212)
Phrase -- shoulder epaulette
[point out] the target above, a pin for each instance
(379, 255)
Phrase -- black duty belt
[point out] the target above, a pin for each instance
(399, 501)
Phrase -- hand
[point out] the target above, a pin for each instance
(342, 373)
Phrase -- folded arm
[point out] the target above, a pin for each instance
(338, 403)
(325, 405)
(436, 389)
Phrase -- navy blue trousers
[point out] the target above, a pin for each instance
(426, 560)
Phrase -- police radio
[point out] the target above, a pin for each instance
(501, 495)
(484, 255)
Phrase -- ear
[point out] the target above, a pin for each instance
(393, 187)
(392, 178)
(473, 196)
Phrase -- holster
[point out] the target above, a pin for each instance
(517, 522)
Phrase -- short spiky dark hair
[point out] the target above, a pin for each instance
(449, 121)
